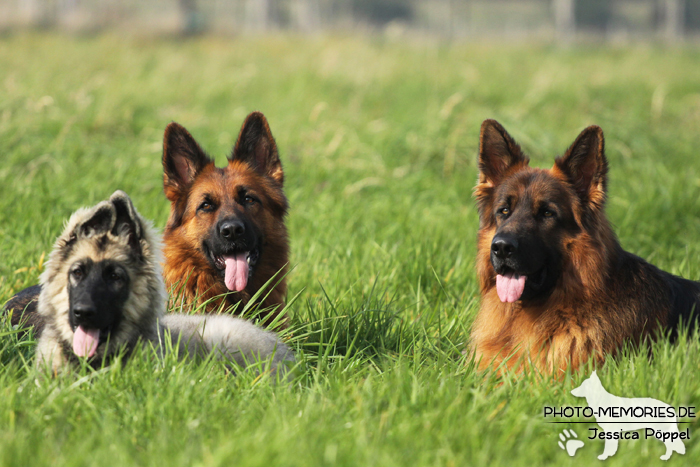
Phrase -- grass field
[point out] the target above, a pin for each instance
(378, 140)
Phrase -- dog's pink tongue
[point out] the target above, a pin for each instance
(85, 341)
(510, 287)
(236, 272)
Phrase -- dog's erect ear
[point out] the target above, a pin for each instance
(498, 153)
(126, 214)
(99, 220)
(127, 221)
(257, 147)
(182, 160)
(585, 166)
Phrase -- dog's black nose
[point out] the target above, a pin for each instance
(232, 229)
(503, 246)
(83, 311)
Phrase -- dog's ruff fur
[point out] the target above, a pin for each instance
(113, 230)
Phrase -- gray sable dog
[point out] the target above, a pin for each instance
(102, 293)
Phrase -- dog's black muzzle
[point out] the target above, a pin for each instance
(97, 294)
(526, 256)
(231, 236)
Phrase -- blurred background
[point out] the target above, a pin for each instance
(671, 20)
(376, 108)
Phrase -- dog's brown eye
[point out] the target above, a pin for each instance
(249, 200)
(206, 206)
(76, 273)
(504, 211)
(547, 213)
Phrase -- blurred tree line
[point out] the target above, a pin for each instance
(455, 18)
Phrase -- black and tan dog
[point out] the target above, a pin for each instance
(226, 237)
(556, 286)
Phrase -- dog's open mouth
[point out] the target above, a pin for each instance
(237, 267)
(86, 341)
(510, 285)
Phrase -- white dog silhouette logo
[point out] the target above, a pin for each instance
(616, 415)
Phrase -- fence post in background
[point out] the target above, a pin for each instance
(306, 14)
(564, 20)
(29, 12)
(257, 13)
(673, 19)
(192, 20)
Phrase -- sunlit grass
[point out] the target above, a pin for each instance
(378, 140)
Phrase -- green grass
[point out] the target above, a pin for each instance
(378, 141)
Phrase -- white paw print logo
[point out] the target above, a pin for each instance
(569, 443)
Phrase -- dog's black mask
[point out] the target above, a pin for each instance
(97, 293)
(230, 236)
(525, 254)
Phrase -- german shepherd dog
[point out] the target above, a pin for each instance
(557, 289)
(102, 294)
(226, 237)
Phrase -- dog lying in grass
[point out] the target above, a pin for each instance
(557, 289)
